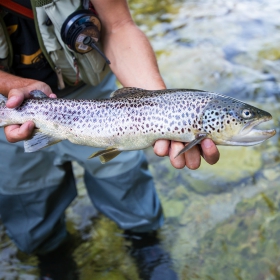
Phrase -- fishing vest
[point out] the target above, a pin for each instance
(71, 67)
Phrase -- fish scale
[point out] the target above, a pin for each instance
(134, 119)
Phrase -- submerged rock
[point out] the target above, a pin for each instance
(247, 243)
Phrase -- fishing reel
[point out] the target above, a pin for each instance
(81, 31)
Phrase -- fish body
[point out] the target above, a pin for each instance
(134, 119)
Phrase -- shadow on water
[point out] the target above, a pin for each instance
(222, 221)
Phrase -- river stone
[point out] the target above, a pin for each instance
(113, 274)
(173, 208)
(236, 164)
(251, 233)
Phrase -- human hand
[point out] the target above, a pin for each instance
(15, 133)
(191, 158)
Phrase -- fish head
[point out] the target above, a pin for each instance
(229, 121)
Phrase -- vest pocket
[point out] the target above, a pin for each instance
(89, 68)
(52, 48)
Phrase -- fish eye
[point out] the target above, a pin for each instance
(246, 113)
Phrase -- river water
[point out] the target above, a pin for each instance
(222, 221)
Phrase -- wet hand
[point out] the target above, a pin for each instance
(15, 133)
(191, 158)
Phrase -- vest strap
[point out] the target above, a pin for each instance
(15, 7)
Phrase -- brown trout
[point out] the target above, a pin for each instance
(134, 119)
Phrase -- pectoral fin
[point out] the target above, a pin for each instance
(196, 141)
(39, 141)
(106, 155)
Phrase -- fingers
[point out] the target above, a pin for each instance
(190, 159)
(16, 96)
(15, 133)
(179, 161)
(166, 148)
(52, 95)
(161, 148)
(209, 151)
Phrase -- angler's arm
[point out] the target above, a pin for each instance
(134, 63)
(132, 58)
(17, 89)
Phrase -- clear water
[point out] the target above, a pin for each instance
(222, 221)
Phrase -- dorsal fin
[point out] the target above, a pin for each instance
(195, 90)
(37, 94)
(125, 91)
(3, 99)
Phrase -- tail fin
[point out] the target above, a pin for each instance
(3, 101)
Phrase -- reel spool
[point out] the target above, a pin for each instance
(81, 31)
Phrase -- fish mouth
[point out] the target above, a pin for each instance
(250, 135)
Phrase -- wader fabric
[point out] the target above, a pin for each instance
(36, 188)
